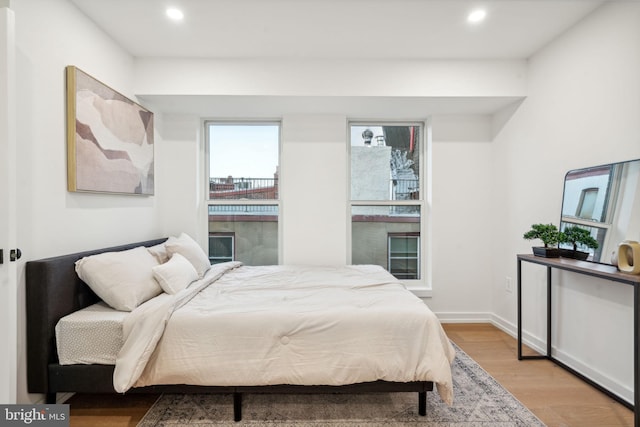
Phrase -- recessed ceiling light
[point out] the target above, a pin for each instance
(477, 16)
(175, 14)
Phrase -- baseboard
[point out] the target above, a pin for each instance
(497, 321)
(540, 346)
(60, 398)
(63, 397)
(464, 317)
(596, 376)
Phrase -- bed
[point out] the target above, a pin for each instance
(308, 331)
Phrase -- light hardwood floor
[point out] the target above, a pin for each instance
(558, 398)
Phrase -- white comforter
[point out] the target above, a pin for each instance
(242, 325)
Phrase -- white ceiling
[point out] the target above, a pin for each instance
(335, 28)
(325, 29)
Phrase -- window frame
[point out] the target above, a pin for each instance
(216, 234)
(421, 287)
(208, 201)
(586, 195)
(408, 235)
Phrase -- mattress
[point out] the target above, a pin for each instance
(92, 335)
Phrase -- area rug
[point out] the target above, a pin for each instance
(479, 401)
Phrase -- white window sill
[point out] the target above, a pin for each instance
(421, 292)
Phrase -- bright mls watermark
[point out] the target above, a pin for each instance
(34, 415)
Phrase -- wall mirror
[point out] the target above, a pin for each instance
(605, 200)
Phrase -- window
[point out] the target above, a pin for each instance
(589, 200)
(388, 197)
(587, 203)
(242, 191)
(404, 256)
(385, 162)
(221, 247)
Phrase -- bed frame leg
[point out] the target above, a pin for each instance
(422, 403)
(237, 406)
(50, 398)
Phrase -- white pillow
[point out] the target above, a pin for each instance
(159, 251)
(175, 274)
(123, 280)
(188, 248)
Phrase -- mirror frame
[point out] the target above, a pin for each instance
(611, 209)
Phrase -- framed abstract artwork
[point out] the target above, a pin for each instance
(109, 139)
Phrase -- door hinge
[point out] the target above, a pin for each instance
(1, 256)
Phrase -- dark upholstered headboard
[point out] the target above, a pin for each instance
(53, 290)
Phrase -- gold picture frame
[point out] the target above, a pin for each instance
(109, 139)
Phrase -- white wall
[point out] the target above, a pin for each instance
(51, 34)
(582, 109)
(366, 78)
(314, 162)
(179, 187)
(314, 190)
(461, 240)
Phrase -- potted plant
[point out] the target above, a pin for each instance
(575, 235)
(549, 235)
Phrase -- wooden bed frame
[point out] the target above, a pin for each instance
(54, 290)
